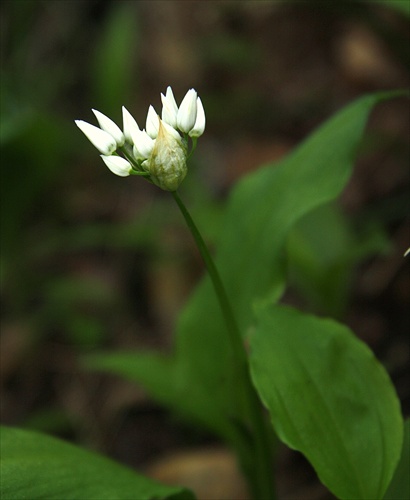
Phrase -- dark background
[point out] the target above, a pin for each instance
(92, 261)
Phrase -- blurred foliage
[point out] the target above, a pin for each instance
(324, 250)
(399, 5)
(113, 78)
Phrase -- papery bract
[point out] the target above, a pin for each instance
(167, 164)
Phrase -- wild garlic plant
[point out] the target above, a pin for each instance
(160, 153)
(325, 392)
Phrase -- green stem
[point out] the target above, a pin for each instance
(258, 467)
(233, 330)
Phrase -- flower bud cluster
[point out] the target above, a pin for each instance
(160, 151)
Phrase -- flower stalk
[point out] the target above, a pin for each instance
(258, 467)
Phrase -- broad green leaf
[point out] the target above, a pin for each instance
(329, 398)
(399, 488)
(35, 466)
(262, 209)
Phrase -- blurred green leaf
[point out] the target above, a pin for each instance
(263, 208)
(115, 55)
(323, 250)
(155, 372)
(399, 488)
(85, 330)
(402, 6)
(329, 398)
(37, 466)
(31, 159)
(70, 291)
(49, 420)
(230, 52)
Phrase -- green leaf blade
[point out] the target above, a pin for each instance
(399, 488)
(328, 398)
(35, 466)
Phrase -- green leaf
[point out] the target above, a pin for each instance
(262, 210)
(35, 466)
(114, 60)
(329, 398)
(399, 488)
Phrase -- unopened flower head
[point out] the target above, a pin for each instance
(160, 151)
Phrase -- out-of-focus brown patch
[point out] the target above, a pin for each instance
(364, 60)
(212, 474)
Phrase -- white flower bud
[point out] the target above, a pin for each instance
(169, 108)
(129, 124)
(102, 140)
(109, 126)
(152, 123)
(199, 126)
(143, 144)
(187, 111)
(167, 163)
(117, 165)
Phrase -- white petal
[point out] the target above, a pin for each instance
(109, 126)
(199, 126)
(129, 124)
(117, 165)
(187, 111)
(143, 144)
(103, 141)
(169, 108)
(152, 123)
